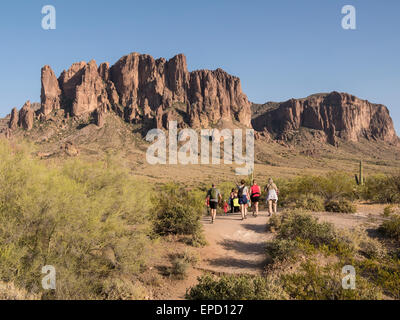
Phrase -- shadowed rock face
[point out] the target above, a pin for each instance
(26, 116)
(337, 114)
(51, 93)
(14, 119)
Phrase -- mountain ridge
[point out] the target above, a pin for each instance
(151, 92)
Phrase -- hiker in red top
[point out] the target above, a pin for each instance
(255, 193)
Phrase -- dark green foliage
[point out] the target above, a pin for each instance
(304, 226)
(238, 287)
(341, 206)
(178, 212)
(311, 192)
(386, 275)
(313, 282)
(382, 188)
(391, 228)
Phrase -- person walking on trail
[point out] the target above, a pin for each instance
(213, 196)
(272, 197)
(255, 193)
(243, 198)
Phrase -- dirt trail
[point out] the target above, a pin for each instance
(238, 247)
(235, 246)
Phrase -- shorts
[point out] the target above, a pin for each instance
(243, 200)
(213, 205)
(255, 199)
(272, 195)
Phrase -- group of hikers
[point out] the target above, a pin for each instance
(243, 197)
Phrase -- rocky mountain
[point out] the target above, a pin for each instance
(338, 115)
(143, 90)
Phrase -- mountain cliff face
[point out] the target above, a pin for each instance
(152, 92)
(142, 89)
(339, 115)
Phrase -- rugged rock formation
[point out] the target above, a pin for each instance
(14, 119)
(83, 89)
(26, 116)
(215, 95)
(337, 114)
(140, 88)
(153, 92)
(50, 95)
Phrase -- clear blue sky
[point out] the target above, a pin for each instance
(279, 48)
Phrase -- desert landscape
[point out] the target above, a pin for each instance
(77, 192)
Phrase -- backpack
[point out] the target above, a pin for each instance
(240, 193)
(213, 194)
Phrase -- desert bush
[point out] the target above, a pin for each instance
(391, 228)
(299, 232)
(282, 250)
(299, 225)
(177, 211)
(190, 257)
(388, 210)
(310, 192)
(372, 249)
(310, 202)
(123, 289)
(237, 287)
(225, 188)
(313, 282)
(341, 206)
(384, 274)
(179, 268)
(382, 188)
(362, 243)
(81, 218)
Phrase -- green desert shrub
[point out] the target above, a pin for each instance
(310, 192)
(237, 287)
(310, 202)
(299, 225)
(362, 243)
(81, 218)
(313, 282)
(372, 249)
(280, 250)
(179, 268)
(300, 233)
(391, 228)
(385, 274)
(178, 211)
(341, 206)
(180, 264)
(382, 188)
(388, 210)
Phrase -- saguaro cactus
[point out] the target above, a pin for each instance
(360, 177)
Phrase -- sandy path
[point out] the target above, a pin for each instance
(235, 246)
(238, 247)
